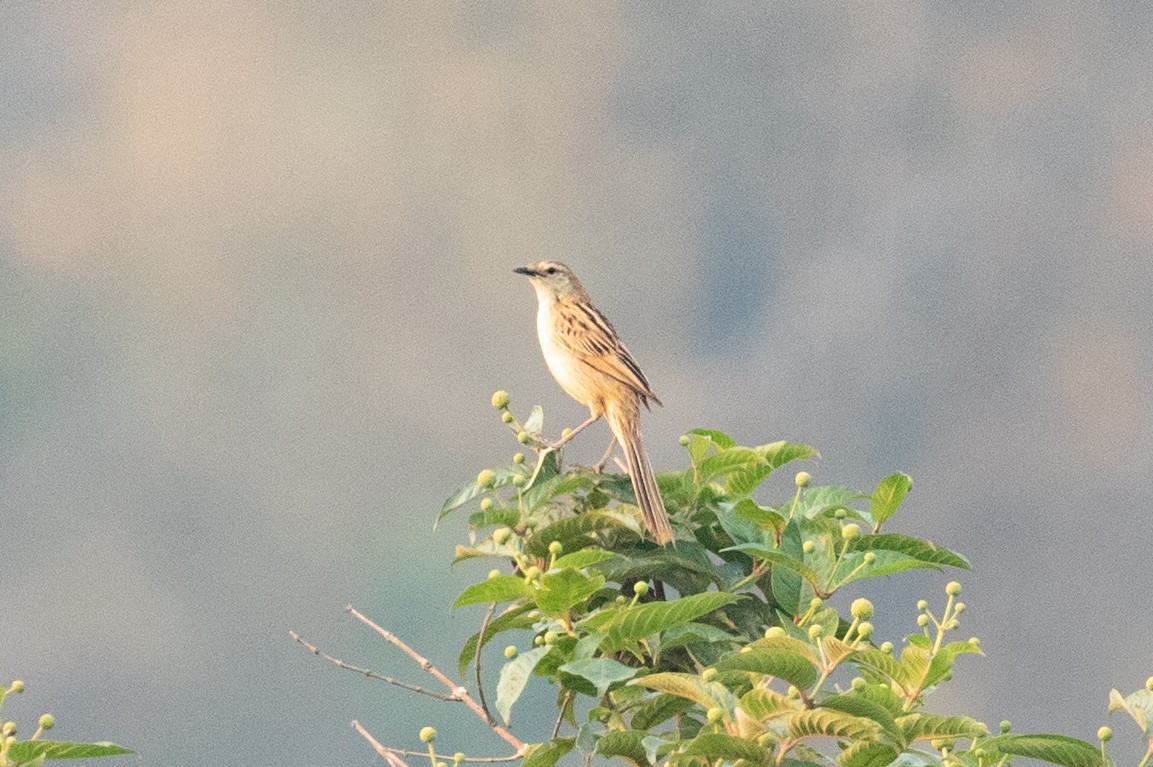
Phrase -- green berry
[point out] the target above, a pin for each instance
(922, 620)
(684, 440)
(640, 588)
(775, 631)
(815, 603)
(959, 608)
(485, 504)
(922, 604)
(519, 480)
(523, 437)
(870, 557)
(550, 637)
(850, 531)
(1006, 725)
(47, 721)
(816, 631)
(538, 640)
(1104, 734)
(486, 478)
(802, 479)
(518, 458)
(808, 547)
(620, 600)
(427, 734)
(500, 399)
(865, 630)
(887, 648)
(953, 588)
(861, 609)
(506, 417)
(510, 652)
(556, 547)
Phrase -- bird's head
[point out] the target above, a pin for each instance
(552, 279)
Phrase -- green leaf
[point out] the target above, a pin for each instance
(916, 548)
(29, 750)
(942, 663)
(513, 677)
(831, 724)
(601, 673)
(624, 626)
(922, 726)
(1139, 705)
(514, 618)
(659, 709)
(562, 590)
(765, 519)
(578, 560)
(888, 496)
(695, 633)
(777, 657)
(785, 582)
(623, 743)
(689, 686)
(778, 559)
(867, 754)
(825, 498)
(547, 754)
(1057, 749)
(573, 532)
(493, 517)
(777, 454)
(859, 705)
(728, 461)
(465, 494)
(718, 438)
(764, 704)
(503, 588)
(717, 746)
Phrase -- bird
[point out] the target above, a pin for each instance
(587, 358)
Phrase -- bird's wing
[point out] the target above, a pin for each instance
(592, 340)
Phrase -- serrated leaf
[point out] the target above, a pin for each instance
(765, 519)
(916, 548)
(860, 705)
(513, 677)
(494, 517)
(831, 724)
(942, 663)
(887, 497)
(922, 726)
(562, 590)
(764, 704)
(548, 486)
(573, 532)
(728, 461)
(1057, 749)
(659, 709)
(694, 633)
(882, 662)
(601, 673)
(624, 626)
(688, 686)
(818, 500)
(623, 743)
(514, 618)
(503, 588)
(578, 560)
(547, 754)
(718, 746)
(777, 454)
(785, 583)
(780, 662)
(867, 754)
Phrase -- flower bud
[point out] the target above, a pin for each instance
(714, 715)
(887, 648)
(959, 607)
(953, 588)
(683, 441)
(1149, 684)
(808, 547)
(1006, 725)
(840, 514)
(47, 721)
(816, 631)
(550, 637)
(556, 547)
(494, 573)
(485, 504)
(861, 609)
(870, 557)
(850, 531)
(519, 480)
(518, 458)
(523, 437)
(922, 620)
(775, 631)
(865, 630)
(486, 478)
(532, 573)
(640, 588)
(500, 399)
(427, 734)
(501, 535)
(16, 686)
(922, 604)
(709, 674)
(506, 417)
(511, 652)
(802, 479)
(1104, 734)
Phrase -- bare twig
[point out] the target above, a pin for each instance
(368, 672)
(456, 692)
(560, 717)
(389, 755)
(476, 665)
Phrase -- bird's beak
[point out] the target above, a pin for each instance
(526, 271)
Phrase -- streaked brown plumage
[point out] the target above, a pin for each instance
(586, 357)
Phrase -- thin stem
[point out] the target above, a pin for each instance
(457, 692)
(476, 664)
(368, 672)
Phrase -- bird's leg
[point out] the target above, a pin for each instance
(557, 445)
(599, 466)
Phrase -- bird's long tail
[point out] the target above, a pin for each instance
(625, 425)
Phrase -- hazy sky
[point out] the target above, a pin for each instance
(256, 289)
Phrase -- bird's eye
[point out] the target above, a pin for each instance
(551, 270)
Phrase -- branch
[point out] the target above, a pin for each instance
(369, 672)
(388, 754)
(456, 692)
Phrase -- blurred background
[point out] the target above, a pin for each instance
(256, 290)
